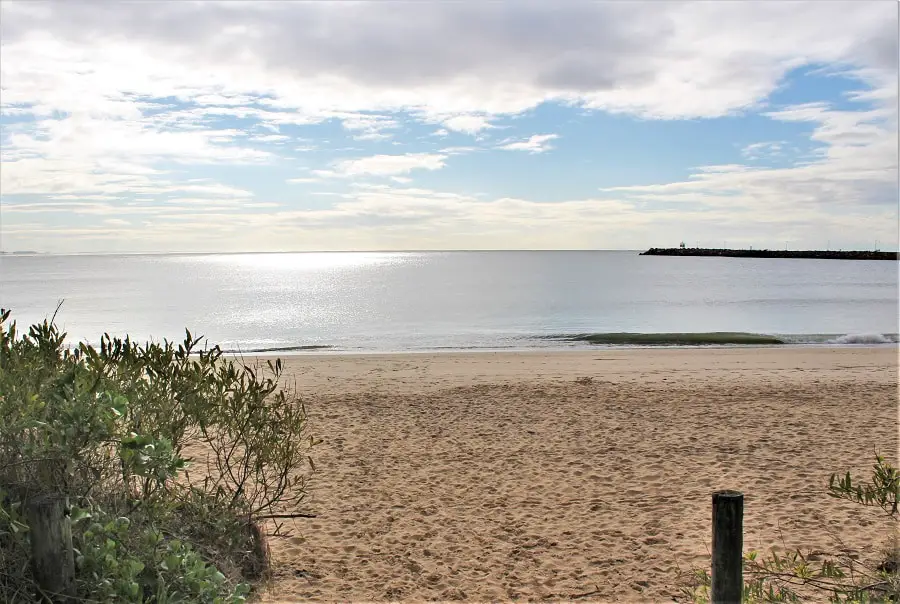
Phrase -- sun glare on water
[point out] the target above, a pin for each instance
(307, 261)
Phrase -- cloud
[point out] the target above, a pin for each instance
(108, 106)
(85, 154)
(854, 173)
(459, 150)
(763, 149)
(209, 189)
(270, 138)
(387, 217)
(537, 143)
(76, 207)
(203, 201)
(385, 165)
(468, 124)
(658, 60)
(85, 136)
(367, 127)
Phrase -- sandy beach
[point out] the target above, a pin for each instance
(574, 475)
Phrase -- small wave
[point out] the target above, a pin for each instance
(278, 349)
(864, 338)
(670, 339)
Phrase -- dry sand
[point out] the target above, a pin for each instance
(502, 476)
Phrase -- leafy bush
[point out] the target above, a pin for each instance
(842, 577)
(115, 429)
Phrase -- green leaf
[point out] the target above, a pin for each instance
(172, 561)
(79, 514)
(34, 424)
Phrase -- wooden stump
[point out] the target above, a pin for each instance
(727, 547)
(52, 557)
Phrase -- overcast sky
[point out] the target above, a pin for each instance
(254, 126)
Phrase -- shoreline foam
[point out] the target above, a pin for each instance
(600, 341)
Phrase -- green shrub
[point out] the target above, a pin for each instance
(109, 428)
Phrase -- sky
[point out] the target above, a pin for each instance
(292, 126)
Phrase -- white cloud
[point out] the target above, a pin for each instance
(84, 197)
(84, 154)
(458, 150)
(203, 201)
(468, 124)
(302, 181)
(386, 165)
(537, 143)
(854, 174)
(666, 60)
(368, 127)
(763, 149)
(88, 93)
(270, 138)
(384, 217)
(76, 207)
(210, 189)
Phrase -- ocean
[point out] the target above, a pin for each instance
(438, 301)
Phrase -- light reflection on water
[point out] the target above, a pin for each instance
(401, 301)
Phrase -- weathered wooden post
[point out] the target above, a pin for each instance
(53, 559)
(727, 547)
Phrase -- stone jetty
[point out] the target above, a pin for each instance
(750, 253)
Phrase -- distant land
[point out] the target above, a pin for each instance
(751, 253)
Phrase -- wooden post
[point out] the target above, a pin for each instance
(52, 557)
(727, 547)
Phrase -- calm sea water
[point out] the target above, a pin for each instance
(454, 300)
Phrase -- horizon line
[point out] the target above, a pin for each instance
(362, 251)
(389, 251)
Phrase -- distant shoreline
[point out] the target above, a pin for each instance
(852, 255)
(806, 254)
(573, 342)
